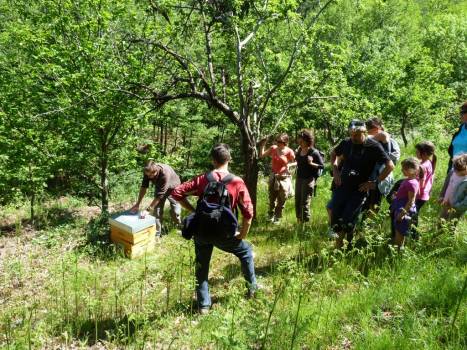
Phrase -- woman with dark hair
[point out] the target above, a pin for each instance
(458, 146)
(280, 181)
(309, 163)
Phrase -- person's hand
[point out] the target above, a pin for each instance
(143, 214)
(263, 140)
(366, 186)
(401, 215)
(134, 209)
(238, 235)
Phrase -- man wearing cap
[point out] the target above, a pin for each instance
(356, 157)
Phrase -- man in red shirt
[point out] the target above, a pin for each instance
(280, 181)
(239, 197)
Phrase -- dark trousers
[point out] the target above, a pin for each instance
(346, 207)
(419, 203)
(303, 191)
(203, 251)
(373, 202)
(175, 212)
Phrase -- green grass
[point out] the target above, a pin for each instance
(64, 285)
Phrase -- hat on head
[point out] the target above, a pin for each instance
(357, 125)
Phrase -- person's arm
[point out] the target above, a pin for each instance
(411, 201)
(142, 192)
(155, 202)
(246, 224)
(181, 192)
(382, 136)
(371, 184)
(262, 152)
(445, 186)
(316, 162)
(186, 204)
(246, 209)
(335, 161)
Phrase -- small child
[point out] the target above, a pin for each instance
(403, 205)
(455, 198)
(427, 157)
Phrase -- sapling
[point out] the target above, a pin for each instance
(276, 299)
(64, 293)
(76, 289)
(461, 296)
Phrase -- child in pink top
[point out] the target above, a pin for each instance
(403, 206)
(427, 157)
(280, 181)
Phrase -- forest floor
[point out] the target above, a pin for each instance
(63, 285)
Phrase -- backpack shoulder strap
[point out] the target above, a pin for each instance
(228, 178)
(210, 177)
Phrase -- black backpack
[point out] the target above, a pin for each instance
(213, 217)
(320, 155)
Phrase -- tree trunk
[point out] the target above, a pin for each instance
(403, 129)
(188, 155)
(165, 137)
(104, 175)
(174, 149)
(32, 194)
(251, 169)
(161, 135)
(33, 203)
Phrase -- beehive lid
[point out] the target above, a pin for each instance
(131, 222)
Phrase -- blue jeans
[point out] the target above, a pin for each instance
(203, 252)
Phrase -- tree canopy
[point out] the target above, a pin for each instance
(85, 85)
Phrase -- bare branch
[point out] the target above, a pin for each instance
(292, 59)
(239, 74)
(252, 34)
(208, 44)
(290, 107)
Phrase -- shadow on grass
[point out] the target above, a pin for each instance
(53, 217)
(93, 331)
(97, 244)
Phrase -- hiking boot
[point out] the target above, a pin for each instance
(253, 291)
(204, 310)
(331, 234)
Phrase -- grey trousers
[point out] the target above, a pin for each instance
(175, 212)
(303, 191)
(277, 194)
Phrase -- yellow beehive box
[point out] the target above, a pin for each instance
(133, 251)
(135, 236)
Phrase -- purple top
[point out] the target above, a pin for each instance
(408, 185)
